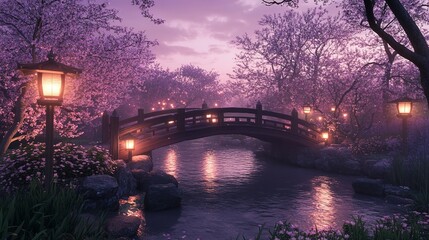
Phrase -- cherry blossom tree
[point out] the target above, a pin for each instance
(284, 64)
(382, 16)
(187, 86)
(83, 34)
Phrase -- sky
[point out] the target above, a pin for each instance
(197, 32)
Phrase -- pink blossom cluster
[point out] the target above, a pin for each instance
(25, 164)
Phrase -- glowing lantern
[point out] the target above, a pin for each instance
(129, 144)
(306, 109)
(325, 135)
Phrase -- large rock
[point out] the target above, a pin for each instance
(141, 162)
(126, 182)
(99, 192)
(400, 191)
(142, 179)
(161, 177)
(370, 187)
(145, 179)
(162, 196)
(122, 226)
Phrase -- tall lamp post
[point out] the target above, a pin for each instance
(404, 106)
(50, 83)
(306, 109)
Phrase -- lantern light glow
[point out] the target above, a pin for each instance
(306, 109)
(325, 135)
(129, 144)
(404, 108)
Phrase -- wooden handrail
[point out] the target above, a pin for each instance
(182, 120)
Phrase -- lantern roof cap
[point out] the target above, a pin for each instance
(403, 99)
(50, 65)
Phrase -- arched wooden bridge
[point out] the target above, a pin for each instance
(158, 129)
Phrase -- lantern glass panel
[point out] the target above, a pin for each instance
(51, 85)
(404, 107)
(129, 144)
(307, 109)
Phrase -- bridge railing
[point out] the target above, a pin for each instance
(152, 124)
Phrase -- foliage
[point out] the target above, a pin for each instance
(412, 226)
(187, 86)
(356, 229)
(25, 164)
(37, 213)
(374, 145)
(84, 34)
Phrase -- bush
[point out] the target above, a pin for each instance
(412, 226)
(48, 214)
(20, 166)
(375, 145)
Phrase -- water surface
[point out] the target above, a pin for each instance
(228, 190)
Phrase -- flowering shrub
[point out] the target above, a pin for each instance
(375, 145)
(414, 225)
(409, 226)
(20, 166)
(286, 231)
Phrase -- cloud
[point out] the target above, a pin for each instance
(198, 31)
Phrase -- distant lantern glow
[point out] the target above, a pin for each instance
(345, 115)
(332, 109)
(170, 122)
(208, 116)
(404, 107)
(306, 109)
(325, 135)
(216, 105)
(163, 108)
(214, 120)
(320, 118)
(153, 109)
(129, 144)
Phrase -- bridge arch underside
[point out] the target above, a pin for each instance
(286, 139)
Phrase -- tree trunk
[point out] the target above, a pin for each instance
(18, 120)
(424, 78)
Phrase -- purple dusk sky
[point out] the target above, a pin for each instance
(197, 32)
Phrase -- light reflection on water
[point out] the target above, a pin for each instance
(210, 171)
(323, 213)
(228, 191)
(170, 165)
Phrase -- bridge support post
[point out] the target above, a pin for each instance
(258, 117)
(204, 105)
(181, 119)
(105, 133)
(220, 119)
(294, 121)
(114, 135)
(140, 115)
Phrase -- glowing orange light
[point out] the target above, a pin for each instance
(325, 135)
(208, 116)
(129, 144)
(332, 109)
(404, 108)
(170, 122)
